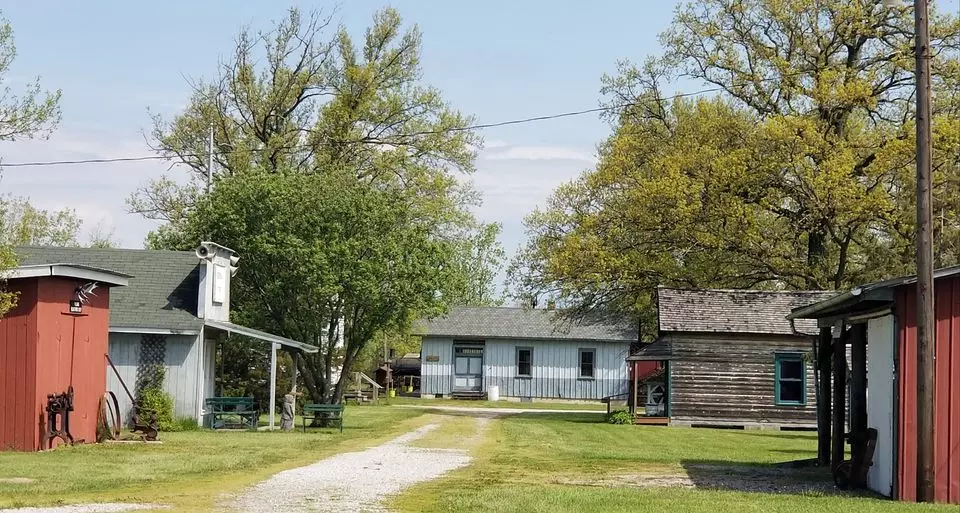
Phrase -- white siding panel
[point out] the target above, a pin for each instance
(436, 377)
(555, 369)
(210, 369)
(880, 414)
(124, 349)
(182, 361)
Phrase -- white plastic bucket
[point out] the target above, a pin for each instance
(493, 393)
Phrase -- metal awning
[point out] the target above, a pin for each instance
(259, 335)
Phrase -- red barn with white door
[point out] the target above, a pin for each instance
(55, 338)
(889, 310)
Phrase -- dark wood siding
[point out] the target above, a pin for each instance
(723, 378)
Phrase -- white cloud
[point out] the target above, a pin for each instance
(537, 153)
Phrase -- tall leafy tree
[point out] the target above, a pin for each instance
(303, 96)
(481, 259)
(335, 179)
(24, 115)
(323, 249)
(798, 174)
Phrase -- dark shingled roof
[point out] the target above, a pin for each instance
(523, 323)
(736, 311)
(162, 293)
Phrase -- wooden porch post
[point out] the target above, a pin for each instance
(823, 353)
(839, 395)
(633, 405)
(858, 381)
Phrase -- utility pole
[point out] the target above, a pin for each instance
(210, 158)
(925, 291)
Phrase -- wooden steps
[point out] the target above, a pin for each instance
(469, 396)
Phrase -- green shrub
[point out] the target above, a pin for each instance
(160, 402)
(620, 417)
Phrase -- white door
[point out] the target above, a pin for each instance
(467, 368)
(880, 414)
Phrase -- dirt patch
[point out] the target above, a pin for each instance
(721, 477)
(17, 480)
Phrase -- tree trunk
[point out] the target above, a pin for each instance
(816, 255)
(352, 349)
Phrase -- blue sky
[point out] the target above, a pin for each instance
(497, 60)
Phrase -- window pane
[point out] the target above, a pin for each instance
(523, 369)
(523, 356)
(524, 361)
(586, 364)
(461, 365)
(475, 365)
(791, 391)
(791, 369)
(586, 370)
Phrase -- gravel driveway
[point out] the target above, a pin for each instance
(352, 482)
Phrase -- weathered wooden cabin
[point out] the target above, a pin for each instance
(877, 325)
(526, 353)
(727, 358)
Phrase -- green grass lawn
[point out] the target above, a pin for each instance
(189, 469)
(573, 463)
(538, 405)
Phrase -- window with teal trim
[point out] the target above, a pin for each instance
(791, 380)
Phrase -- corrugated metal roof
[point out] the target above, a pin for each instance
(161, 293)
(735, 311)
(523, 323)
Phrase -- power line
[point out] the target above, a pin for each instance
(479, 126)
(84, 161)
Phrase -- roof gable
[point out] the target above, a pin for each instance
(161, 293)
(735, 311)
(523, 324)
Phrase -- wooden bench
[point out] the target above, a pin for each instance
(332, 412)
(242, 407)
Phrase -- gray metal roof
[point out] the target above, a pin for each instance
(259, 335)
(735, 311)
(523, 323)
(161, 293)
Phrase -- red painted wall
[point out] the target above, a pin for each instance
(47, 349)
(643, 368)
(18, 329)
(946, 395)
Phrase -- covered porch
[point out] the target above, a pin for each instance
(213, 327)
(648, 393)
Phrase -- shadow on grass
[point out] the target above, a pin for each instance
(784, 435)
(789, 477)
(576, 418)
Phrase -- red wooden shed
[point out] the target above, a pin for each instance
(55, 338)
(888, 402)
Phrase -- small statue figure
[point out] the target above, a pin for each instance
(286, 417)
